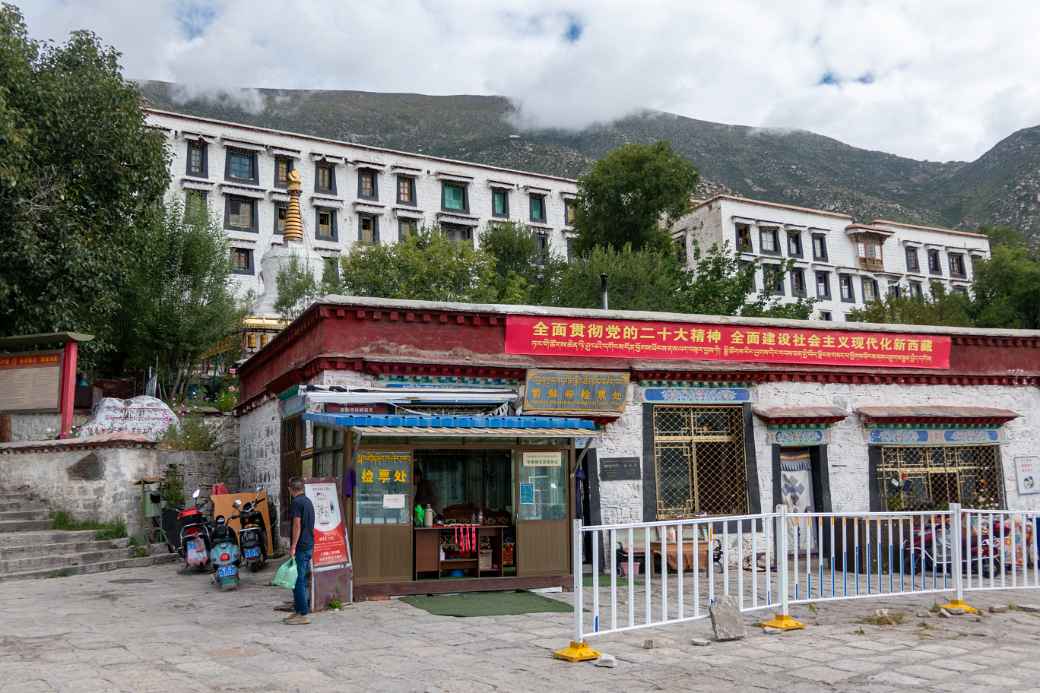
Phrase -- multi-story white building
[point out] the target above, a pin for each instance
(840, 263)
(351, 193)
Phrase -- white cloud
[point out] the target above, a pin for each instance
(937, 80)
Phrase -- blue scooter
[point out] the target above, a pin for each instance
(225, 555)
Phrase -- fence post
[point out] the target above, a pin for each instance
(957, 561)
(578, 650)
(782, 620)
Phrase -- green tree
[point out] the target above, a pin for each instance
(178, 300)
(298, 288)
(637, 280)
(80, 173)
(523, 272)
(425, 266)
(1007, 289)
(628, 194)
(940, 308)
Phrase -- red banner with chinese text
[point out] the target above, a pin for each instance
(700, 342)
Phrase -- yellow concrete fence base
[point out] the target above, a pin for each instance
(783, 622)
(577, 652)
(960, 604)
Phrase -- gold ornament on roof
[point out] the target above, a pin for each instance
(293, 231)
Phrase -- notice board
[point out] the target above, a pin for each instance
(332, 572)
(30, 381)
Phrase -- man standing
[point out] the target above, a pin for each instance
(301, 515)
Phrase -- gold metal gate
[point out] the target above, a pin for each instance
(699, 461)
(930, 478)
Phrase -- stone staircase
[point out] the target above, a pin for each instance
(29, 548)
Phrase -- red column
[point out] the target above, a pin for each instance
(67, 395)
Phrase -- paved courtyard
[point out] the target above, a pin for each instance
(152, 629)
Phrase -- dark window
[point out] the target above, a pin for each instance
(931, 478)
(242, 261)
(454, 197)
(870, 289)
(407, 228)
(894, 290)
(749, 267)
(325, 224)
(798, 282)
(916, 291)
(744, 238)
(680, 249)
(457, 233)
(538, 208)
(963, 291)
(934, 263)
(819, 247)
(240, 213)
(281, 209)
(282, 167)
(913, 263)
(569, 211)
(240, 166)
(325, 178)
(499, 202)
(825, 315)
(368, 229)
(794, 243)
(406, 190)
(197, 159)
(541, 239)
(823, 285)
(569, 241)
(957, 268)
(773, 279)
(769, 241)
(195, 201)
(368, 184)
(848, 292)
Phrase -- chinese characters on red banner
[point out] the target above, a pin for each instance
(693, 342)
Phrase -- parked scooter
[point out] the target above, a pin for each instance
(930, 549)
(195, 540)
(224, 555)
(252, 538)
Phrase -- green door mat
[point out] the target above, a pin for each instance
(487, 604)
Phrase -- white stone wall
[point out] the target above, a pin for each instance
(715, 223)
(430, 172)
(847, 452)
(260, 433)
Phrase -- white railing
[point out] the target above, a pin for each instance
(773, 560)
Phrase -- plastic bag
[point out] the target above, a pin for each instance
(286, 575)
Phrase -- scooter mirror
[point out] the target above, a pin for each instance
(195, 495)
(238, 503)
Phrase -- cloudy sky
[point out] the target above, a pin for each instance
(930, 79)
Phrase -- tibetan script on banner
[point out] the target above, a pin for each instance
(542, 336)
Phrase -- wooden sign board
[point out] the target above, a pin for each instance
(30, 381)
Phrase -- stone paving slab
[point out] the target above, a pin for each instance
(176, 632)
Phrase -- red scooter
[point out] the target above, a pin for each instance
(195, 538)
(930, 550)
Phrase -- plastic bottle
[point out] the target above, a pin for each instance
(428, 515)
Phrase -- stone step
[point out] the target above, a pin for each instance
(58, 548)
(37, 514)
(24, 525)
(88, 568)
(46, 536)
(15, 495)
(23, 504)
(21, 565)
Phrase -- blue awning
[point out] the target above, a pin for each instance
(457, 425)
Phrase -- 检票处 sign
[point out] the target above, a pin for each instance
(574, 392)
(543, 336)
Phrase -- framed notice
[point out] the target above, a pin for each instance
(542, 459)
(1027, 471)
(331, 567)
(30, 381)
(620, 469)
(575, 392)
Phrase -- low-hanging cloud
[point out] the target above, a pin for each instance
(927, 80)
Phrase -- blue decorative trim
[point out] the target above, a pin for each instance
(707, 395)
(391, 420)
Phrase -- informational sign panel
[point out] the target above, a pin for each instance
(619, 469)
(331, 568)
(1027, 470)
(30, 382)
(575, 392)
(542, 459)
(542, 336)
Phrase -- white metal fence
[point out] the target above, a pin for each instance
(671, 571)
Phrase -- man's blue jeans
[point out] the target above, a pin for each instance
(301, 598)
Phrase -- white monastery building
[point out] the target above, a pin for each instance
(840, 263)
(351, 193)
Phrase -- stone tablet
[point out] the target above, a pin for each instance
(147, 416)
(726, 619)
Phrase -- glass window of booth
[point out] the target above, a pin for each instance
(384, 484)
(328, 451)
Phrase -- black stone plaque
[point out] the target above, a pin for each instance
(619, 469)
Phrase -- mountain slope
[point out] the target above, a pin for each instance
(797, 167)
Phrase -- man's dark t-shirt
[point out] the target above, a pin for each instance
(302, 508)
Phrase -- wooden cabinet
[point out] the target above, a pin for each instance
(477, 563)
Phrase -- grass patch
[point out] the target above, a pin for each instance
(335, 604)
(102, 530)
(141, 551)
(884, 617)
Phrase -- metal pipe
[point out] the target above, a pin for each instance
(603, 293)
